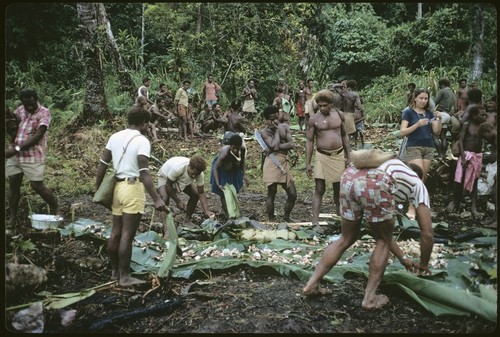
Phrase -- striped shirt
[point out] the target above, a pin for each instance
(409, 186)
(29, 124)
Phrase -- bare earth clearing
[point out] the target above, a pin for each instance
(239, 300)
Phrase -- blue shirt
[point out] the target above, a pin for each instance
(423, 135)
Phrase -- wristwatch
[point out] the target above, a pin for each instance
(17, 148)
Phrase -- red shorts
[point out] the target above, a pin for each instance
(367, 192)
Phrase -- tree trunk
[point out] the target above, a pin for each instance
(419, 10)
(198, 25)
(126, 81)
(94, 105)
(141, 60)
(477, 38)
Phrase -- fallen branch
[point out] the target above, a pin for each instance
(168, 305)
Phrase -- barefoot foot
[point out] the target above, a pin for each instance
(477, 215)
(316, 290)
(290, 219)
(376, 303)
(130, 281)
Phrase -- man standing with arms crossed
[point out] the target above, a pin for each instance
(278, 139)
(309, 105)
(327, 130)
(249, 95)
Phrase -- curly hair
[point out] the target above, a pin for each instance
(138, 115)
(28, 93)
(269, 111)
(324, 95)
(198, 163)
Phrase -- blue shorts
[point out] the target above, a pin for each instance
(211, 102)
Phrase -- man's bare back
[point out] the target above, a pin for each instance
(235, 122)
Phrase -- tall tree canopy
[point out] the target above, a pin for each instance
(237, 41)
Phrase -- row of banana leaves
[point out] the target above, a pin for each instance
(463, 280)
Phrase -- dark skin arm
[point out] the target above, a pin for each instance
(285, 133)
(220, 160)
(169, 187)
(461, 142)
(204, 201)
(147, 181)
(246, 92)
(345, 140)
(272, 139)
(102, 168)
(30, 142)
(243, 152)
(310, 136)
(426, 243)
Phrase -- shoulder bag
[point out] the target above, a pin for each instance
(104, 194)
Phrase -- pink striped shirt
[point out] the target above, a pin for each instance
(27, 128)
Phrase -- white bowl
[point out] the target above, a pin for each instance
(45, 221)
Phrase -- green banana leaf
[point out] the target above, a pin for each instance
(450, 291)
(231, 197)
(442, 300)
(64, 300)
(169, 259)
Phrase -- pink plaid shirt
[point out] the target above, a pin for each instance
(27, 128)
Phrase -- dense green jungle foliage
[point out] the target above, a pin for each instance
(383, 46)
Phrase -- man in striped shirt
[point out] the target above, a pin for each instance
(26, 155)
(372, 193)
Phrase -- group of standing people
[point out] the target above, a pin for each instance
(359, 192)
(299, 102)
(426, 122)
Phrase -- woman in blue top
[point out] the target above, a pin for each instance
(419, 124)
(229, 168)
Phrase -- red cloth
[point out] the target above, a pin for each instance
(472, 170)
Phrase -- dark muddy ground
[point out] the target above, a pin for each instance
(242, 300)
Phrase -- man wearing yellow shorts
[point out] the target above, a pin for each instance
(129, 150)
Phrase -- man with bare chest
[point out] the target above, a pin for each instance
(279, 141)
(309, 103)
(469, 163)
(235, 121)
(352, 103)
(462, 98)
(332, 155)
